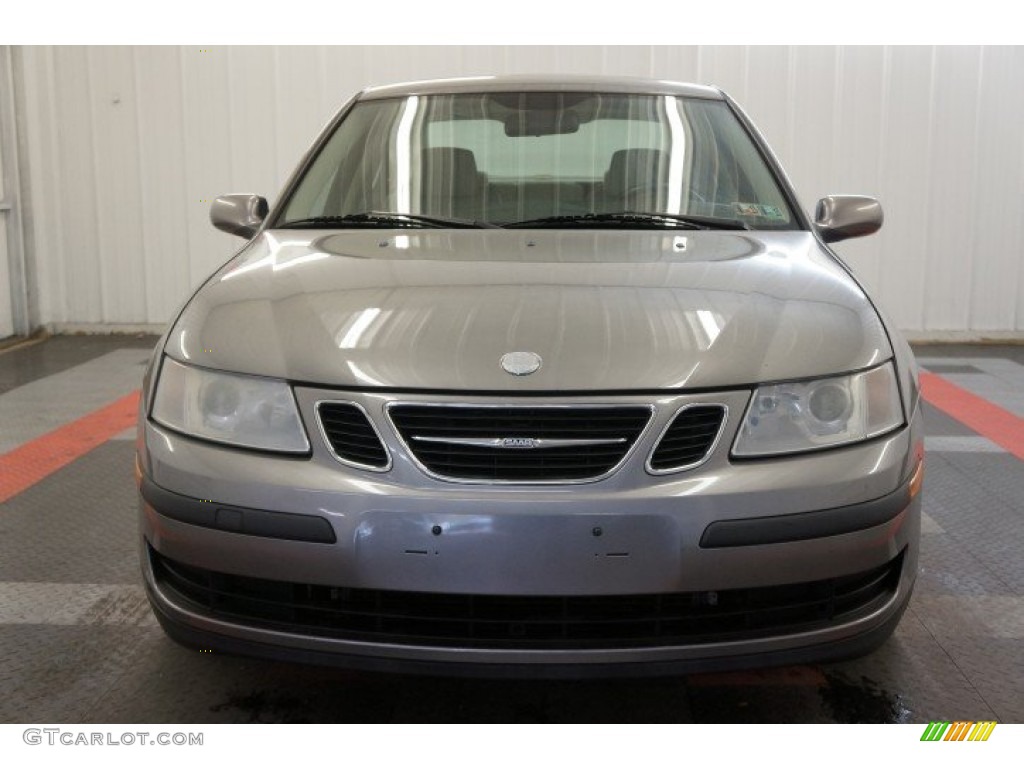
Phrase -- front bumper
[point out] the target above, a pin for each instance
(195, 629)
(726, 526)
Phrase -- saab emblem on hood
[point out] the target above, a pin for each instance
(520, 363)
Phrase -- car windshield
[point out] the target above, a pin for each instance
(539, 159)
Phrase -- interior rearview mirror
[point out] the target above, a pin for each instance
(541, 123)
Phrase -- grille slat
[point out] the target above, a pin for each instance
(689, 438)
(525, 621)
(351, 436)
(554, 453)
(537, 464)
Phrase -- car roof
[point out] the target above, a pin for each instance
(573, 83)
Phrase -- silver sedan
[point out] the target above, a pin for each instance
(546, 376)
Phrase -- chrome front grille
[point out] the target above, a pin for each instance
(519, 443)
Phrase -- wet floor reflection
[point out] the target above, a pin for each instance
(863, 701)
(789, 694)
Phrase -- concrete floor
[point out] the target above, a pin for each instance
(78, 643)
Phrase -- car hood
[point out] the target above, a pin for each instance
(605, 310)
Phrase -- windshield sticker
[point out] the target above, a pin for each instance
(755, 209)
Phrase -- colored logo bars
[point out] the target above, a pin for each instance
(958, 731)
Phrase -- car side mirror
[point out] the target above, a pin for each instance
(239, 214)
(840, 217)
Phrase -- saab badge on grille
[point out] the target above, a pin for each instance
(520, 363)
(518, 442)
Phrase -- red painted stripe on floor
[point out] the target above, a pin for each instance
(987, 419)
(27, 464)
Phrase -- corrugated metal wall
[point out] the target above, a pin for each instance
(127, 146)
(7, 195)
(6, 315)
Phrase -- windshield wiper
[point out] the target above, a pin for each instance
(628, 220)
(383, 220)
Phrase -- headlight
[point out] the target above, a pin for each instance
(808, 415)
(227, 408)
